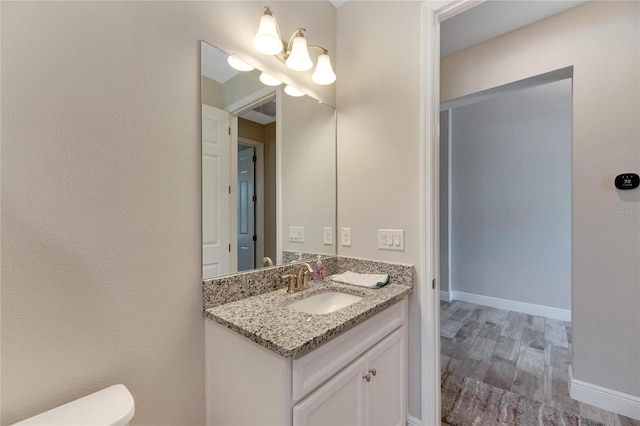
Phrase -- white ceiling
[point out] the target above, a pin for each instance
(493, 18)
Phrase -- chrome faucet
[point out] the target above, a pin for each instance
(298, 281)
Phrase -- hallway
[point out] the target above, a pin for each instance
(525, 354)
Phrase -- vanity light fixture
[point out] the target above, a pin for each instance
(267, 39)
(298, 58)
(323, 74)
(292, 91)
(269, 80)
(295, 53)
(238, 64)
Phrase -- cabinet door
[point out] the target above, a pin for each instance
(387, 403)
(339, 402)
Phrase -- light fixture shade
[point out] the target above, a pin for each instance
(269, 80)
(292, 91)
(267, 40)
(323, 74)
(299, 59)
(238, 64)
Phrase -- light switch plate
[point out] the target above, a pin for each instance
(345, 237)
(391, 239)
(296, 234)
(327, 235)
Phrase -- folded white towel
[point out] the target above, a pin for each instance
(362, 280)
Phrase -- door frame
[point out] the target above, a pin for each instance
(433, 14)
(259, 192)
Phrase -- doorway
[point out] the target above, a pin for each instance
(506, 174)
(505, 197)
(435, 15)
(253, 144)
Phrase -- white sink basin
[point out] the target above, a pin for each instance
(324, 303)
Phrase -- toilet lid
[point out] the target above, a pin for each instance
(112, 406)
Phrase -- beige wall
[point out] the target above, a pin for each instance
(379, 140)
(270, 191)
(308, 172)
(101, 196)
(241, 86)
(251, 130)
(601, 41)
(212, 93)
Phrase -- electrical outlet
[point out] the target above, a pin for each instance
(296, 234)
(345, 237)
(391, 239)
(327, 235)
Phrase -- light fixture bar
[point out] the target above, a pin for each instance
(295, 53)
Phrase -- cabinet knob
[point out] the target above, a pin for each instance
(367, 377)
(373, 372)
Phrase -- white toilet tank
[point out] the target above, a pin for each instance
(112, 406)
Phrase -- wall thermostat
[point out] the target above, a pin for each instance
(627, 181)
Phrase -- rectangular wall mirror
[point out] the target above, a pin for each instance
(268, 171)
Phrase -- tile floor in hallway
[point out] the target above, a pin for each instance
(524, 354)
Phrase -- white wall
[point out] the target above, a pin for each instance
(511, 196)
(601, 40)
(101, 276)
(379, 119)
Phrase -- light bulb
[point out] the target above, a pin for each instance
(299, 59)
(239, 64)
(267, 40)
(292, 91)
(323, 74)
(269, 80)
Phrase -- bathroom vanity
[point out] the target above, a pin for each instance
(267, 364)
(359, 378)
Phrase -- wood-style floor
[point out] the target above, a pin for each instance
(524, 354)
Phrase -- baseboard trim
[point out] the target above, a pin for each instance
(412, 421)
(512, 305)
(607, 399)
(445, 295)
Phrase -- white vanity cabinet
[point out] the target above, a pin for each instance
(247, 384)
(370, 391)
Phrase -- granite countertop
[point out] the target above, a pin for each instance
(266, 320)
